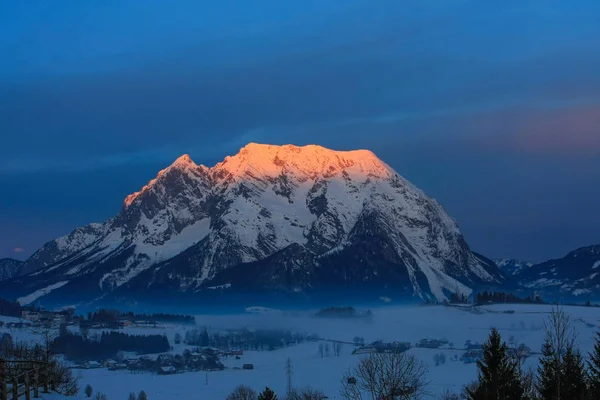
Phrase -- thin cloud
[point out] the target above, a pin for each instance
(18, 250)
(164, 155)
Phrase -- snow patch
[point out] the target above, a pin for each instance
(225, 286)
(25, 300)
(579, 292)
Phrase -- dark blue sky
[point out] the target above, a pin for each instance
(491, 107)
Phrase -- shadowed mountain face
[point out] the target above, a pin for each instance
(290, 220)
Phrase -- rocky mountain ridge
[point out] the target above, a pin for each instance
(283, 219)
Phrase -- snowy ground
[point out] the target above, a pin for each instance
(389, 324)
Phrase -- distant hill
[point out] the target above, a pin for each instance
(511, 266)
(9, 267)
(574, 276)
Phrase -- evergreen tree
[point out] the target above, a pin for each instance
(594, 370)
(268, 394)
(204, 339)
(549, 372)
(499, 374)
(574, 385)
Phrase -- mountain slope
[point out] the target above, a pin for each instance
(511, 266)
(313, 218)
(9, 267)
(575, 275)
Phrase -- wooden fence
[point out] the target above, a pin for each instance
(19, 379)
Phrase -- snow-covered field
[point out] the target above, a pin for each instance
(409, 324)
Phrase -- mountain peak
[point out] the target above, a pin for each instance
(184, 160)
(309, 161)
(266, 160)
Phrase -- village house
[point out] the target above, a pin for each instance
(92, 364)
(365, 350)
(384, 347)
(118, 367)
(168, 370)
(30, 315)
(431, 343)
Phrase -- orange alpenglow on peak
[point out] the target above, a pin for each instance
(303, 162)
(310, 161)
(184, 159)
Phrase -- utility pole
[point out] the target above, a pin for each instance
(288, 373)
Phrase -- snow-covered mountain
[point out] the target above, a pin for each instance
(271, 219)
(9, 267)
(511, 266)
(575, 275)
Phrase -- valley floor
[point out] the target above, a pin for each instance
(404, 324)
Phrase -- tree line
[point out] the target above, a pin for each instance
(261, 339)
(342, 312)
(79, 348)
(107, 316)
(502, 297)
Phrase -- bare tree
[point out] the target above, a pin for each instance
(439, 358)
(395, 375)
(337, 349)
(321, 350)
(242, 393)
(448, 395)
(100, 396)
(559, 339)
(559, 330)
(132, 396)
(326, 349)
(62, 379)
(306, 393)
(47, 333)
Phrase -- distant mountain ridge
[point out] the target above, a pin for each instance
(10, 267)
(576, 275)
(286, 220)
(511, 266)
